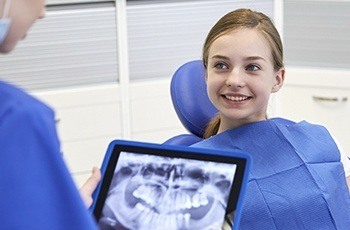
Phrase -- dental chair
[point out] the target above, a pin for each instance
(191, 102)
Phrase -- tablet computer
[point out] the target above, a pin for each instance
(156, 186)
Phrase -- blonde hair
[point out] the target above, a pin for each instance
(243, 19)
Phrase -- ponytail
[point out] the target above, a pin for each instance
(212, 127)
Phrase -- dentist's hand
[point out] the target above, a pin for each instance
(89, 186)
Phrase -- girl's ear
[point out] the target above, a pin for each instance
(279, 79)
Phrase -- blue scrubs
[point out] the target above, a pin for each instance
(36, 189)
(296, 179)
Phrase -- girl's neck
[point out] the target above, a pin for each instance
(224, 126)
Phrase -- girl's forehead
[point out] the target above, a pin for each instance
(247, 42)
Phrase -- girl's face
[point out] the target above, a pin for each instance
(240, 77)
(23, 14)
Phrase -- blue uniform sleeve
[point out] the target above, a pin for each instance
(36, 189)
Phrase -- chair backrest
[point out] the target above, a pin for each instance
(191, 103)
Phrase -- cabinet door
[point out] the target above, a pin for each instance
(320, 105)
(88, 119)
(153, 118)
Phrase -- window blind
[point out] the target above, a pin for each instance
(65, 49)
(165, 34)
(317, 33)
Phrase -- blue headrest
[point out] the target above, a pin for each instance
(190, 99)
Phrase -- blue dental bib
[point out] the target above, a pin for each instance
(296, 180)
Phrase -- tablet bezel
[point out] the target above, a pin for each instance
(241, 161)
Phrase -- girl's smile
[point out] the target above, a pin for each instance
(236, 100)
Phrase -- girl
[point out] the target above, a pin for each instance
(297, 180)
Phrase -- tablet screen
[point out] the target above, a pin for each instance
(153, 191)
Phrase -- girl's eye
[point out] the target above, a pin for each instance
(221, 65)
(252, 67)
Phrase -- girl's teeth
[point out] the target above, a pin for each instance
(233, 98)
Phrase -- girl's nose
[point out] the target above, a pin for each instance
(235, 79)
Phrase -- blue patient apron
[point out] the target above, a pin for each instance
(296, 180)
(36, 189)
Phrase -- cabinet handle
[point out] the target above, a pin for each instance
(330, 99)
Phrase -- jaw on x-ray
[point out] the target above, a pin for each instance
(153, 192)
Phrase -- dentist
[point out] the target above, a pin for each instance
(36, 189)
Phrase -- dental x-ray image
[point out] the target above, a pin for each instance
(154, 192)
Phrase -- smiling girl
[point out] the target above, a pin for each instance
(297, 178)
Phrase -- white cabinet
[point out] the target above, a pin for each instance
(88, 119)
(153, 118)
(318, 96)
